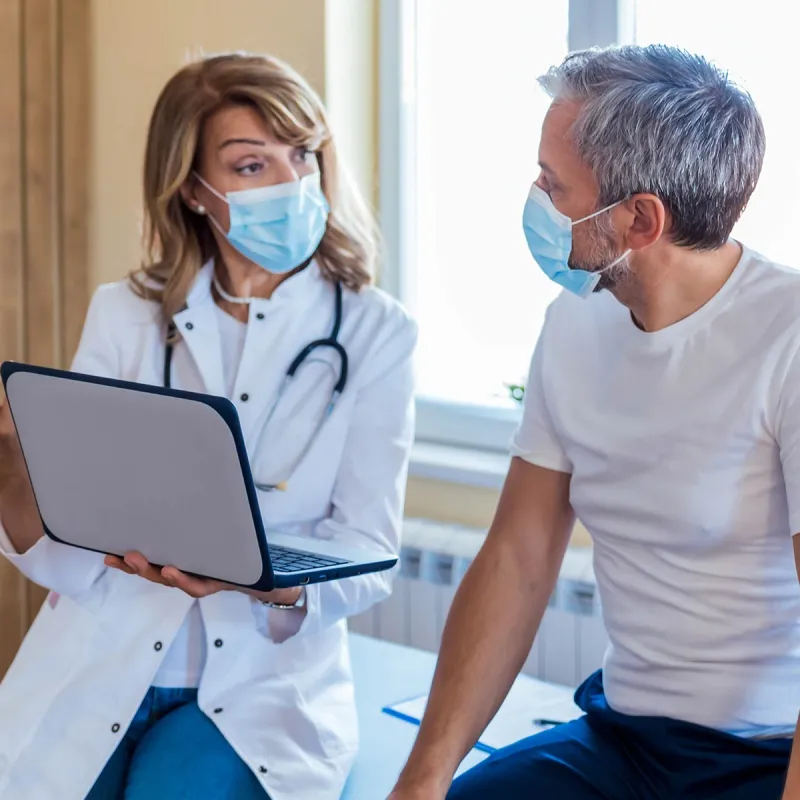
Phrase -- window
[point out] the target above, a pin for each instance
(460, 123)
(749, 41)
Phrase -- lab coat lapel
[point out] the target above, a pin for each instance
(199, 331)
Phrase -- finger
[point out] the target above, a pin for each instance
(196, 587)
(144, 569)
(117, 563)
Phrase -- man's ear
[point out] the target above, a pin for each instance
(648, 218)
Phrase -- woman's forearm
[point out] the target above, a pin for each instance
(19, 515)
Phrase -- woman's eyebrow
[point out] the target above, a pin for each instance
(227, 142)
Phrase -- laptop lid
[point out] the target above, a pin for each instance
(119, 466)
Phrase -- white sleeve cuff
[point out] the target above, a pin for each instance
(6, 547)
(280, 624)
(63, 569)
(539, 458)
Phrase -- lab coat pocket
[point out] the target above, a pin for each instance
(335, 724)
(59, 644)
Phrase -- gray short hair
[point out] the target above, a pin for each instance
(662, 121)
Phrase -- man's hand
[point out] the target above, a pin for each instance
(136, 564)
(421, 791)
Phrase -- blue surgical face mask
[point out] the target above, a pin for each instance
(549, 235)
(277, 227)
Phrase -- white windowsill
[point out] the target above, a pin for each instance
(461, 465)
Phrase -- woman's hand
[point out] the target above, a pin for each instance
(10, 453)
(136, 564)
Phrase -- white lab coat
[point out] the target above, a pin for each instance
(283, 683)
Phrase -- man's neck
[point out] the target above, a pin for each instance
(671, 283)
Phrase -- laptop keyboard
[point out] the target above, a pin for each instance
(284, 559)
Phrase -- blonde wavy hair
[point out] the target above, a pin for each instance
(177, 242)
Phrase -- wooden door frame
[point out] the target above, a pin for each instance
(45, 103)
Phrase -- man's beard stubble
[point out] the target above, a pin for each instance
(602, 250)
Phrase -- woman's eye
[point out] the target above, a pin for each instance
(304, 154)
(250, 169)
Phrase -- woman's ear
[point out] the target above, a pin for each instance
(188, 196)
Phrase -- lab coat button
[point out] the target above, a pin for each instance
(218, 643)
(217, 710)
(260, 315)
(189, 326)
(115, 728)
(245, 397)
(157, 646)
(262, 769)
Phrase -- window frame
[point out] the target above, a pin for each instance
(591, 23)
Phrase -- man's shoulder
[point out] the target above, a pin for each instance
(761, 266)
(770, 288)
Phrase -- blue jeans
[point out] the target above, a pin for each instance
(606, 755)
(172, 751)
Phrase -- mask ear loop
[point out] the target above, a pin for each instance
(593, 214)
(213, 191)
(209, 187)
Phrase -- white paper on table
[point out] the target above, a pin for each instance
(527, 701)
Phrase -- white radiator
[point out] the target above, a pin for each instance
(570, 643)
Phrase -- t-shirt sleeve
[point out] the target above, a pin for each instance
(787, 434)
(535, 440)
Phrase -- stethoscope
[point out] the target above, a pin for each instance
(331, 342)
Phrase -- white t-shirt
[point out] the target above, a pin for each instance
(183, 663)
(684, 451)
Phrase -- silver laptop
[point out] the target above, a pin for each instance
(119, 466)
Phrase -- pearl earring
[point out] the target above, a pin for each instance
(200, 209)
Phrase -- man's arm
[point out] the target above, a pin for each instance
(491, 626)
(792, 791)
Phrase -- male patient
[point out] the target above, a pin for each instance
(663, 409)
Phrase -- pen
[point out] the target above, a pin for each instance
(547, 722)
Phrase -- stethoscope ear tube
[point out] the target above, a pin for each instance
(168, 350)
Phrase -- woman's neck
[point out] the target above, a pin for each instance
(241, 278)
(245, 279)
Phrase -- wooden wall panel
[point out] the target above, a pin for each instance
(11, 302)
(75, 121)
(44, 265)
(14, 604)
(41, 181)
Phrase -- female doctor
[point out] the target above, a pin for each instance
(140, 683)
